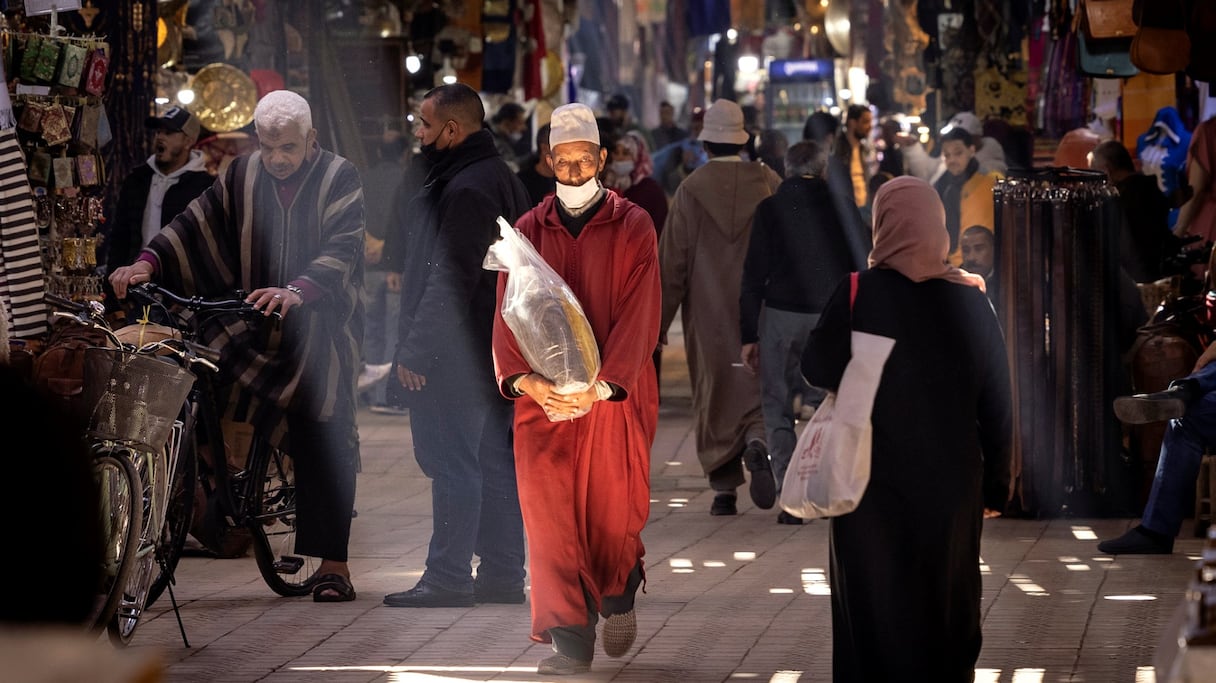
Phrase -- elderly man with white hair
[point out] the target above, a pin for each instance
(584, 482)
(284, 223)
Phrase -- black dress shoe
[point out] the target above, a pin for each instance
(724, 504)
(1138, 541)
(1158, 406)
(500, 596)
(426, 595)
(763, 487)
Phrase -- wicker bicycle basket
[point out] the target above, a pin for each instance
(133, 398)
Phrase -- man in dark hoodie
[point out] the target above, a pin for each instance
(798, 252)
(461, 424)
(156, 192)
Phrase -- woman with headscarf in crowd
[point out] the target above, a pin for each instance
(628, 174)
(905, 572)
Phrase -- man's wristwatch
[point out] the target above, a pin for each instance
(296, 290)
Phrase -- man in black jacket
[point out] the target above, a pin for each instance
(461, 424)
(798, 253)
(153, 195)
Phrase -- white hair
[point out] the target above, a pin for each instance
(281, 108)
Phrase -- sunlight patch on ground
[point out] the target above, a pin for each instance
(987, 675)
(1074, 564)
(713, 563)
(1146, 674)
(434, 674)
(1130, 598)
(815, 582)
(1027, 586)
(1028, 675)
(780, 591)
(786, 677)
(1084, 533)
(744, 556)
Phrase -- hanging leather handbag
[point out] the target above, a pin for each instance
(1104, 31)
(1106, 19)
(1203, 42)
(1161, 45)
(1105, 58)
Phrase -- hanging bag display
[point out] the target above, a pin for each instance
(1161, 45)
(830, 467)
(1202, 31)
(1106, 19)
(1105, 58)
(1104, 31)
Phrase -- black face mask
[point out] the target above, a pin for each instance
(432, 153)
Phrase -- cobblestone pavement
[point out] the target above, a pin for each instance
(728, 598)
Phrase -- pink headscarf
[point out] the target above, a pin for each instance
(642, 165)
(910, 233)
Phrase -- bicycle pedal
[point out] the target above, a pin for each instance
(289, 564)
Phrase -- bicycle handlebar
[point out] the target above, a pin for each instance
(147, 292)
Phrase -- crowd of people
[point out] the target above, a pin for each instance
(749, 236)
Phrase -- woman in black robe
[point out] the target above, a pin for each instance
(905, 572)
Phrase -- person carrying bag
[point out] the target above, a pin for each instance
(936, 422)
(831, 465)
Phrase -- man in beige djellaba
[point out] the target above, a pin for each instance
(701, 252)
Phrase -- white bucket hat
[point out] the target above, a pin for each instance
(723, 124)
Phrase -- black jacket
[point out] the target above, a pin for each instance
(447, 298)
(798, 252)
(126, 232)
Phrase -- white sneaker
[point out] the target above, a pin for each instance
(372, 375)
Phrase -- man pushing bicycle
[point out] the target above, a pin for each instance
(286, 224)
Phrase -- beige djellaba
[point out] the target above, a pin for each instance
(701, 252)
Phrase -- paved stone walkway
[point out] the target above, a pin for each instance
(728, 598)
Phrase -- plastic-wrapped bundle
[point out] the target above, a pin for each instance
(546, 318)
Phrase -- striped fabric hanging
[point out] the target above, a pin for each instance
(22, 284)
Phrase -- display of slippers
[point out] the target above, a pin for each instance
(345, 592)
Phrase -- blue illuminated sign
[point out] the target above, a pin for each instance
(801, 69)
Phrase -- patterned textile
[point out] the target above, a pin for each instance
(22, 284)
(237, 235)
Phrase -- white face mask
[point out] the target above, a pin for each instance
(577, 196)
(623, 167)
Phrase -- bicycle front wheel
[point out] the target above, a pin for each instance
(153, 473)
(120, 492)
(273, 523)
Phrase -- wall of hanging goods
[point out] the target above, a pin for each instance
(57, 86)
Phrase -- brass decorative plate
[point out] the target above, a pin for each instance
(836, 26)
(225, 98)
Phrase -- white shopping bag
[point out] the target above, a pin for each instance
(830, 468)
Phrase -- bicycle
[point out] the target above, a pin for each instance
(260, 495)
(132, 397)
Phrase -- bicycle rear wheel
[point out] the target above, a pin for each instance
(121, 515)
(178, 516)
(273, 523)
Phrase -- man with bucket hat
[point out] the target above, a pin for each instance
(701, 251)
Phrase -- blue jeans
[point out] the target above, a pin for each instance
(1181, 452)
(382, 309)
(783, 336)
(463, 443)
